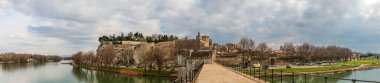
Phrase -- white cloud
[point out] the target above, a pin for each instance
(71, 25)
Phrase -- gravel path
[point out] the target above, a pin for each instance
(213, 73)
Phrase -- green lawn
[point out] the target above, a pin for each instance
(359, 62)
(152, 72)
(315, 69)
(337, 66)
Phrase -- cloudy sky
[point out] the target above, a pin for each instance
(63, 27)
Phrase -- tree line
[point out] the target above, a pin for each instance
(138, 37)
(311, 53)
(301, 53)
(13, 57)
(249, 50)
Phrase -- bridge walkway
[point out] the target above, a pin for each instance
(215, 73)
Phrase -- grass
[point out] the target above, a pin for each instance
(314, 69)
(337, 66)
(378, 64)
(152, 72)
(134, 71)
(359, 62)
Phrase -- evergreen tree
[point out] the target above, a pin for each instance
(130, 36)
(122, 36)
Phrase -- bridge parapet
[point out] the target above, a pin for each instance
(189, 72)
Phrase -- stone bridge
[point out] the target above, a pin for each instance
(215, 73)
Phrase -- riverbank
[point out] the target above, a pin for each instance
(6, 62)
(132, 71)
(55, 72)
(10, 62)
(325, 70)
(335, 68)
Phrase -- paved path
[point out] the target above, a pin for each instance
(214, 73)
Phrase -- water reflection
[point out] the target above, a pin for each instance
(91, 76)
(81, 75)
(55, 72)
(13, 67)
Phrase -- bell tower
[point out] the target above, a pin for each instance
(199, 35)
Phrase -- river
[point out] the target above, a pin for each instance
(55, 72)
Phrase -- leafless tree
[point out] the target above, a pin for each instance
(23, 58)
(141, 54)
(309, 53)
(251, 45)
(288, 49)
(91, 57)
(53, 58)
(13, 57)
(88, 58)
(6, 57)
(264, 50)
(161, 55)
(305, 51)
(247, 47)
(127, 54)
(107, 55)
(244, 43)
(78, 57)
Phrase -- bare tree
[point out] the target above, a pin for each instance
(161, 55)
(78, 57)
(53, 58)
(305, 51)
(308, 52)
(332, 52)
(13, 57)
(87, 58)
(23, 58)
(318, 54)
(9, 57)
(141, 54)
(264, 50)
(251, 45)
(244, 42)
(288, 49)
(107, 54)
(127, 55)
(91, 56)
(247, 47)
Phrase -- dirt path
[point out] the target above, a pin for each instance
(213, 73)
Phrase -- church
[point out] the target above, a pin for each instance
(199, 48)
(199, 43)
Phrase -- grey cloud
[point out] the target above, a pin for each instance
(71, 36)
(322, 22)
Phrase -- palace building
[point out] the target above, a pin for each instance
(200, 43)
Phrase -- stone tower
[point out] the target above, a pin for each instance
(199, 35)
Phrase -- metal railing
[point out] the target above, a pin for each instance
(272, 76)
(190, 73)
(269, 75)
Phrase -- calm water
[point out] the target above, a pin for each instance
(370, 75)
(55, 72)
